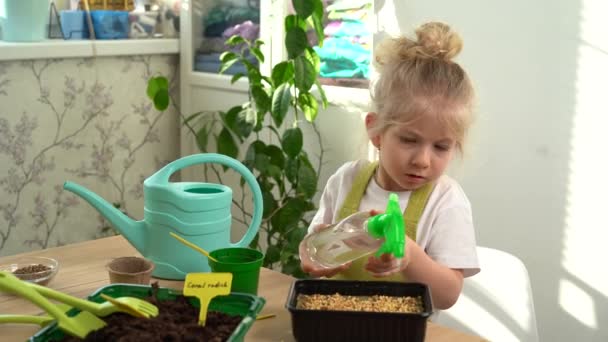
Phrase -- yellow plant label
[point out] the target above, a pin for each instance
(205, 286)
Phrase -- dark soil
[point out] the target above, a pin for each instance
(31, 269)
(177, 321)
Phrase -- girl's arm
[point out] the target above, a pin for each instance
(445, 283)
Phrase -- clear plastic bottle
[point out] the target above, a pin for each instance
(358, 235)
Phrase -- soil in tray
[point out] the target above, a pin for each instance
(177, 321)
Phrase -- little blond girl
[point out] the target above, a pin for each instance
(422, 111)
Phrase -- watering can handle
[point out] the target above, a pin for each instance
(207, 158)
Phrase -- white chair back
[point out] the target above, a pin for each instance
(497, 303)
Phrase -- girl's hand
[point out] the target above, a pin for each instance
(311, 267)
(387, 264)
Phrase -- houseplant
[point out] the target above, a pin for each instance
(278, 105)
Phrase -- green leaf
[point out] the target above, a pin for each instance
(303, 8)
(313, 58)
(261, 98)
(260, 121)
(276, 155)
(227, 65)
(257, 53)
(261, 162)
(257, 146)
(245, 121)
(292, 21)
(292, 141)
(298, 235)
(270, 204)
(250, 66)
(226, 144)
(228, 56)
(282, 73)
(254, 149)
(309, 105)
(291, 170)
(202, 138)
(307, 180)
(280, 103)
(304, 159)
(229, 118)
(273, 253)
(255, 155)
(298, 273)
(253, 72)
(249, 115)
(192, 117)
(254, 243)
(235, 40)
(295, 42)
(236, 77)
(161, 99)
(265, 185)
(156, 84)
(268, 80)
(289, 215)
(305, 73)
(292, 267)
(274, 130)
(286, 254)
(322, 93)
(275, 172)
(317, 20)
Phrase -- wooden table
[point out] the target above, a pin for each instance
(82, 270)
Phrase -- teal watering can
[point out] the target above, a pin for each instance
(200, 212)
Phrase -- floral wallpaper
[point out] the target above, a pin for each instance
(83, 120)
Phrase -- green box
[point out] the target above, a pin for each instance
(236, 303)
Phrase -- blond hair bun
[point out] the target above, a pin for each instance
(434, 40)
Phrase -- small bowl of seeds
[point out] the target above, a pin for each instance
(39, 270)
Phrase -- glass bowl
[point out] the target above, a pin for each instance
(39, 270)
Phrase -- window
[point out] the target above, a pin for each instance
(345, 55)
(219, 20)
(346, 51)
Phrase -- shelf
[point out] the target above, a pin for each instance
(56, 48)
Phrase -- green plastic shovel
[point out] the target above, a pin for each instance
(79, 325)
(42, 321)
(134, 306)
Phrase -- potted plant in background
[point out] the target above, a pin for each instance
(278, 105)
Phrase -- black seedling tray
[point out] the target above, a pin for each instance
(326, 325)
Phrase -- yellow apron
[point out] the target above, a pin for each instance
(411, 216)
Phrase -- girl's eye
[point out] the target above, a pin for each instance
(407, 140)
(443, 147)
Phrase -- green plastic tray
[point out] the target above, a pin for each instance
(241, 304)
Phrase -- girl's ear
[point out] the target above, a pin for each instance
(370, 124)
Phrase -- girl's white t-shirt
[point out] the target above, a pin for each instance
(445, 229)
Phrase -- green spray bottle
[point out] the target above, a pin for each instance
(358, 235)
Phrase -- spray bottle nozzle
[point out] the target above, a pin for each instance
(390, 226)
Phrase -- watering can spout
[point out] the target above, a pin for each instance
(133, 231)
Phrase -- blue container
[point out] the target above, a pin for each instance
(24, 20)
(110, 24)
(74, 24)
